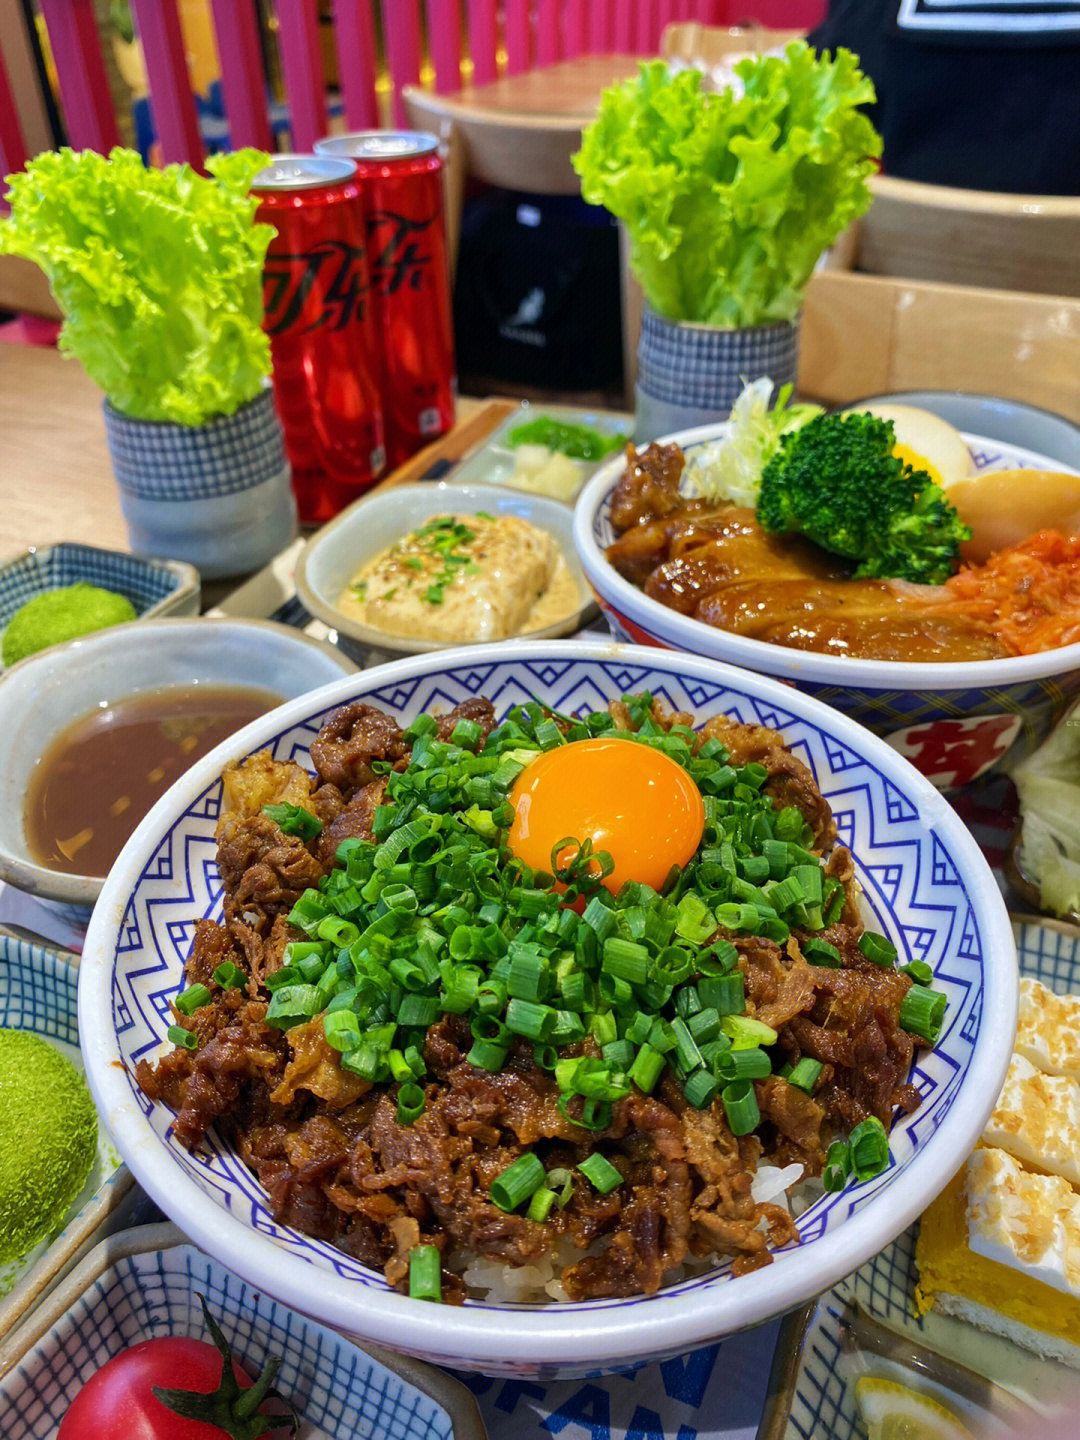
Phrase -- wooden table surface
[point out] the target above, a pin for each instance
(55, 474)
(56, 479)
(568, 90)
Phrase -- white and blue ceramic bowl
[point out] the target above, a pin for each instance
(43, 694)
(145, 1284)
(954, 722)
(925, 881)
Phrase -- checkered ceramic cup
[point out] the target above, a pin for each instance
(217, 495)
(692, 374)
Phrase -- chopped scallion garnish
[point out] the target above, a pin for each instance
(518, 1182)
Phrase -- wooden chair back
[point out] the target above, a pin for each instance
(513, 152)
(969, 237)
(706, 46)
(869, 334)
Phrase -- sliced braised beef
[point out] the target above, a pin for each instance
(328, 1146)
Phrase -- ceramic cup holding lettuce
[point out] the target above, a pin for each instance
(158, 274)
(728, 200)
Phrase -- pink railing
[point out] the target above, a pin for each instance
(460, 34)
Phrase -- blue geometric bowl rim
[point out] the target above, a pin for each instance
(612, 1332)
(185, 578)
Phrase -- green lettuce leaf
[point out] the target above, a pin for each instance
(730, 198)
(158, 273)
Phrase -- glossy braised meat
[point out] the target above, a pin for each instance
(866, 619)
(732, 547)
(649, 486)
(716, 564)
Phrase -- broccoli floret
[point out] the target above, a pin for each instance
(837, 481)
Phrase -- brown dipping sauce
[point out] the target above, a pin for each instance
(99, 777)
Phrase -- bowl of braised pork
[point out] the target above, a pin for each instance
(547, 1007)
(924, 581)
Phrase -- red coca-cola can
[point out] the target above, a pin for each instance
(324, 330)
(401, 177)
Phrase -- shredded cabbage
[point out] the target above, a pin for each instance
(731, 468)
(1048, 786)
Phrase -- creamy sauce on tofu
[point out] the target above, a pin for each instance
(464, 577)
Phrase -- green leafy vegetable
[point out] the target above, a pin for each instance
(1048, 788)
(158, 274)
(837, 482)
(731, 468)
(580, 442)
(730, 198)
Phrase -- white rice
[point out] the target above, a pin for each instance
(539, 1281)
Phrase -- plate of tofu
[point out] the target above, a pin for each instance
(981, 1297)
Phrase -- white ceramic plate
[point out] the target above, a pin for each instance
(494, 462)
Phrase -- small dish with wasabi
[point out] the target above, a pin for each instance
(53, 593)
(38, 988)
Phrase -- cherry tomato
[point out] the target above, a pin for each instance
(118, 1403)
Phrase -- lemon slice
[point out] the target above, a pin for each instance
(891, 1411)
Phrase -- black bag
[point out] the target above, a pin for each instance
(536, 298)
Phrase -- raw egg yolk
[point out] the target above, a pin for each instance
(627, 798)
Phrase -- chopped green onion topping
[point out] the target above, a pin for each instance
(869, 1146)
(540, 1205)
(919, 971)
(294, 820)
(425, 1273)
(821, 952)
(229, 976)
(193, 998)
(601, 1173)
(518, 1182)
(177, 1035)
(805, 1074)
(922, 1012)
(876, 948)
(410, 1103)
(837, 1166)
(740, 1107)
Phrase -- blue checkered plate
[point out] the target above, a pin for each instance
(154, 587)
(38, 993)
(146, 1283)
(811, 1391)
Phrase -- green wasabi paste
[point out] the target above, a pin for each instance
(62, 614)
(48, 1140)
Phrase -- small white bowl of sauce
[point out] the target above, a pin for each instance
(92, 734)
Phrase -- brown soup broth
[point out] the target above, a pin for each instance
(99, 777)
